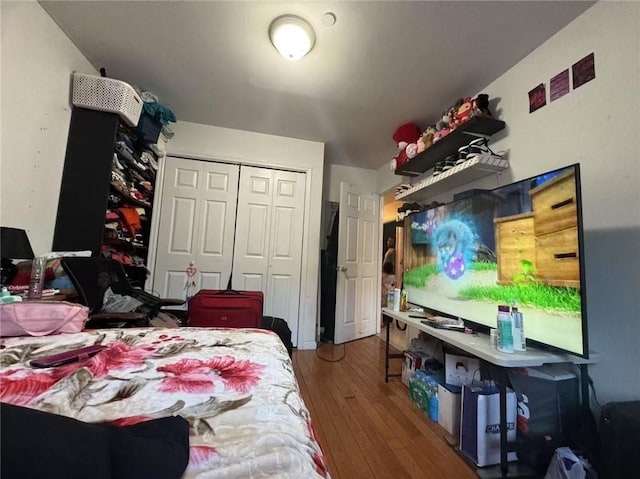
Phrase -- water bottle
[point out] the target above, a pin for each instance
(519, 339)
(396, 299)
(505, 330)
(36, 283)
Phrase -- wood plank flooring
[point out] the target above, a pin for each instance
(367, 428)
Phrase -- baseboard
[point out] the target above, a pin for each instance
(308, 345)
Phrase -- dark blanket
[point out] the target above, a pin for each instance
(35, 444)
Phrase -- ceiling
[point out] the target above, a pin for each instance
(382, 63)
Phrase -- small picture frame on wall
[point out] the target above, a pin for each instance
(559, 85)
(584, 70)
(537, 98)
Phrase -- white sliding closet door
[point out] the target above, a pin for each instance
(197, 217)
(268, 246)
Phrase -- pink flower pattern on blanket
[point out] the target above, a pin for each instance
(21, 387)
(198, 376)
(235, 387)
(116, 356)
(202, 457)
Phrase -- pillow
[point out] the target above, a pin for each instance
(34, 441)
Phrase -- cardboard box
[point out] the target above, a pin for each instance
(413, 361)
(460, 370)
(449, 408)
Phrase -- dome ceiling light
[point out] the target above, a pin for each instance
(292, 36)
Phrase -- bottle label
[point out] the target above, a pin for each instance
(505, 333)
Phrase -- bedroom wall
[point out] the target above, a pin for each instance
(193, 140)
(598, 126)
(363, 179)
(37, 62)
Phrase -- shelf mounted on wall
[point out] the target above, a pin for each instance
(470, 170)
(461, 136)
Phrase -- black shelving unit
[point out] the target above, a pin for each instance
(85, 181)
(461, 136)
(86, 189)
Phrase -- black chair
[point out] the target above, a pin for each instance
(93, 276)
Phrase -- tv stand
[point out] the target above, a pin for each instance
(479, 345)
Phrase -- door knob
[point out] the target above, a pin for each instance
(341, 268)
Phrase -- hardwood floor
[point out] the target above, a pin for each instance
(367, 428)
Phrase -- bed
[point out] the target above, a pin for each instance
(236, 387)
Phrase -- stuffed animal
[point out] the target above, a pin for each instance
(465, 111)
(426, 140)
(443, 124)
(482, 105)
(443, 127)
(406, 137)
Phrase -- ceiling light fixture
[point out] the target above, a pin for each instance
(292, 36)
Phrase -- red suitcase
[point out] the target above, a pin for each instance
(226, 309)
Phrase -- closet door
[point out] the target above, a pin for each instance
(197, 219)
(268, 248)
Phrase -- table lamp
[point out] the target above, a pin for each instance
(14, 244)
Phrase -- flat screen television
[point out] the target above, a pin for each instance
(520, 243)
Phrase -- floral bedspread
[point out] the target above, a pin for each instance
(236, 387)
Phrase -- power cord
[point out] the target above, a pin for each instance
(344, 353)
(593, 390)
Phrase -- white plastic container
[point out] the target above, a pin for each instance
(396, 299)
(106, 94)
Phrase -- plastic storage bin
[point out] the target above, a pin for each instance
(106, 94)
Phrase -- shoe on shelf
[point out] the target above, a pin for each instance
(439, 168)
(462, 154)
(409, 207)
(479, 148)
(450, 162)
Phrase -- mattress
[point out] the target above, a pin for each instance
(236, 387)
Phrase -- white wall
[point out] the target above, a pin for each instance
(597, 125)
(193, 140)
(37, 62)
(364, 180)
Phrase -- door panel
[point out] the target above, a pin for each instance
(285, 252)
(183, 216)
(199, 223)
(175, 282)
(211, 281)
(268, 254)
(197, 215)
(212, 233)
(250, 257)
(357, 291)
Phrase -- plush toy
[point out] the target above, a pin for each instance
(443, 124)
(465, 111)
(482, 105)
(406, 137)
(443, 127)
(426, 140)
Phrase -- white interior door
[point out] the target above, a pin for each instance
(197, 217)
(253, 225)
(268, 247)
(357, 288)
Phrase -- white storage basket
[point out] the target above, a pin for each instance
(106, 94)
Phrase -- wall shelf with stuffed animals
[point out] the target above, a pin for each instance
(477, 126)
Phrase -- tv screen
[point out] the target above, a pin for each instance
(520, 243)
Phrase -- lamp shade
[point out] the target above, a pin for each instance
(14, 243)
(292, 36)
